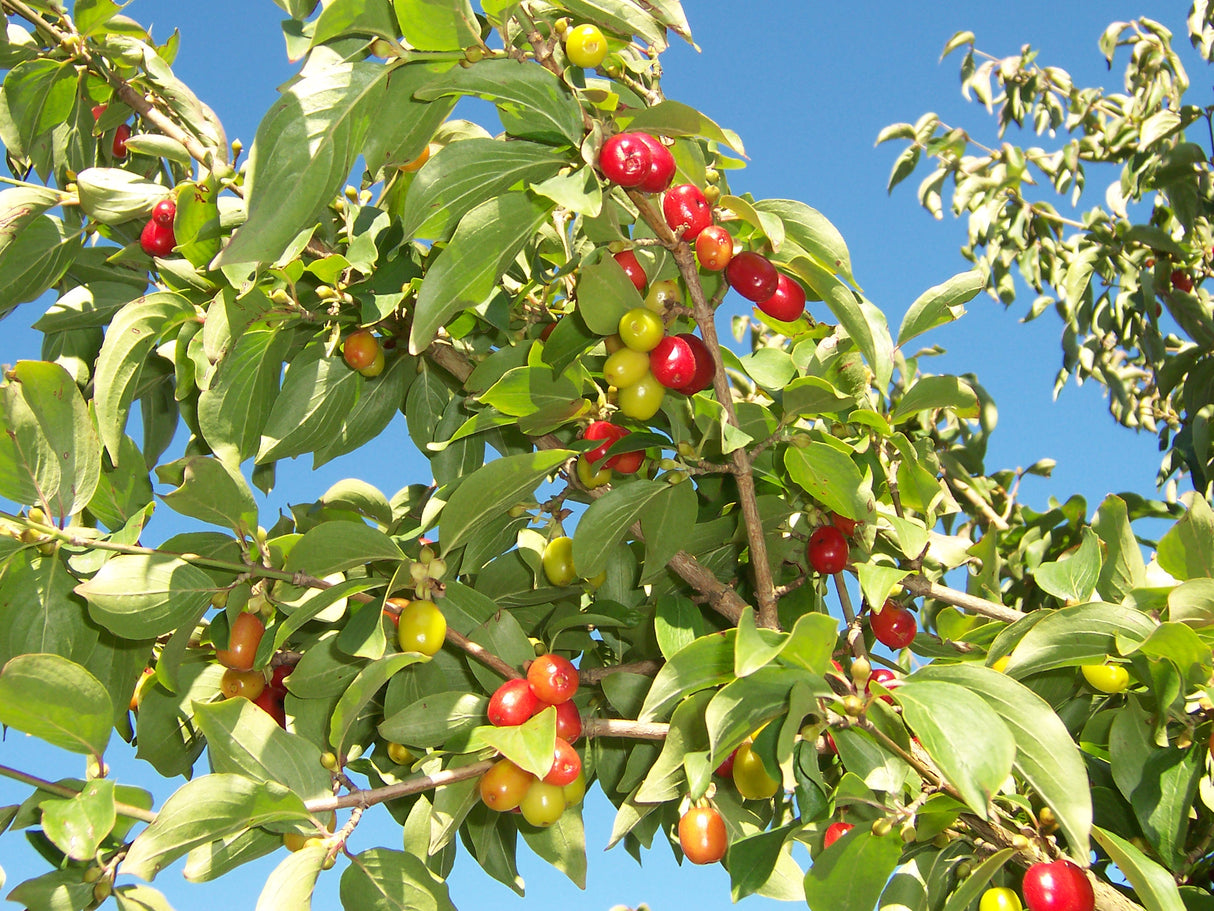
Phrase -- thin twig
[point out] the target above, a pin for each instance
(921, 585)
(122, 809)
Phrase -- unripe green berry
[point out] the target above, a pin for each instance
(882, 827)
(907, 833)
(861, 670)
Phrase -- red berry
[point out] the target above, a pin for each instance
(512, 703)
(627, 462)
(164, 212)
(887, 679)
(686, 210)
(157, 239)
(788, 301)
(752, 275)
(1057, 886)
(894, 626)
(827, 551)
(725, 769)
(632, 268)
(605, 431)
(271, 703)
(625, 159)
(278, 680)
(661, 172)
(98, 110)
(121, 135)
(568, 722)
(547, 331)
(672, 362)
(1182, 281)
(566, 764)
(553, 679)
(834, 832)
(702, 835)
(714, 248)
(704, 366)
(844, 524)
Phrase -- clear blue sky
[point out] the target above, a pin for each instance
(808, 85)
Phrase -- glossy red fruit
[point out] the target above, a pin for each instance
(512, 703)
(686, 211)
(625, 159)
(885, 678)
(672, 362)
(1182, 281)
(627, 462)
(661, 172)
(568, 722)
(1057, 886)
(98, 110)
(702, 835)
(605, 431)
(164, 212)
(547, 331)
(121, 135)
(360, 349)
(834, 832)
(752, 275)
(271, 703)
(702, 379)
(844, 524)
(156, 239)
(244, 637)
(894, 626)
(278, 680)
(566, 764)
(553, 679)
(827, 551)
(632, 268)
(714, 248)
(788, 301)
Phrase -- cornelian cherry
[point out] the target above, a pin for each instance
(714, 248)
(686, 211)
(843, 523)
(553, 679)
(164, 212)
(702, 835)
(244, 637)
(360, 349)
(121, 135)
(834, 832)
(672, 362)
(632, 268)
(787, 302)
(568, 722)
(894, 626)
(827, 551)
(512, 703)
(566, 764)
(661, 172)
(702, 378)
(625, 159)
(503, 787)
(156, 239)
(752, 275)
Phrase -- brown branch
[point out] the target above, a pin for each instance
(740, 457)
(593, 675)
(855, 632)
(370, 797)
(921, 585)
(622, 727)
(483, 655)
(122, 809)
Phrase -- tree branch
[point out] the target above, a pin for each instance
(623, 727)
(921, 585)
(122, 809)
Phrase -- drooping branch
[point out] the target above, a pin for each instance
(122, 809)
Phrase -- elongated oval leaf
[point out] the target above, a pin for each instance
(383, 880)
(491, 490)
(940, 304)
(432, 720)
(851, 874)
(605, 523)
(1078, 635)
(967, 739)
(812, 232)
(56, 700)
(361, 691)
(333, 547)
(140, 596)
(1153, 885)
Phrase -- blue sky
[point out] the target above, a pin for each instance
(808, 85)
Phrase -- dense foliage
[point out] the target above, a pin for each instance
(705, 583)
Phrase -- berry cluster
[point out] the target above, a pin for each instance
(551, 681)
(157, 237)
(362, 351)
(240, 680)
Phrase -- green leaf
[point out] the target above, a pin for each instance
(967, 739)
(1159, 783)
(831, 478)
(932, 392)
(140, 898)
(361, 691)
(437, 25)
(1078, 635)
(863, 322)
(1186, 551)
(562, 844)
(1073, 577)
(112, 195)
(130, 340)
(35, 259)
(811, 396)
(808, 645)
(318, 394)
(245, 740)
(531, 101)
(677, 622)
(336, 546)
(303, 152)
(627, 18)
(975, 884)
(708, 661)
(1122, 569)
(606, 522)
(752, 860)
(38, 611)
(687, 734)
(140, 596)
(60, 890)
(233, 409)
(210, 491)
(465, 174)
(528, 745)
(291, 883)
(851, 874)
(383, 880)
(878, 581)
(49, 451)
(526, 390)
(56, 700)
(354, 17)
(433, 720)
(604, 295)
(78, 825)
(668, 522)
(940, 304)
(491, 490)
(205, 809)
(1153, 885)
(810, 230)
(740, 707)
(1046, 756)
(484, 245)
(673, 118)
